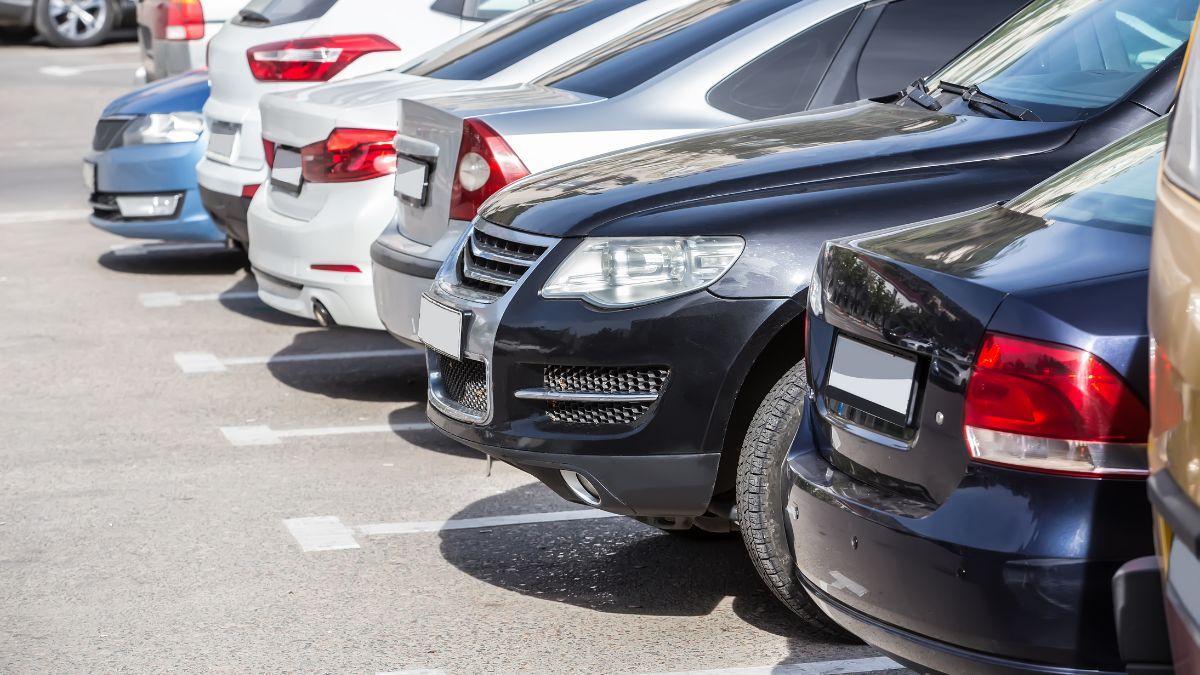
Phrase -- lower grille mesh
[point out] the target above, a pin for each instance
(570, 412)
(602, 380)
(465, 382)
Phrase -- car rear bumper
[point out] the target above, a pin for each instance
(228, 213)
(399, 280)
(1012, 573)
(165, 58)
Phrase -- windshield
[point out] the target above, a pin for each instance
(1068, 59)
(1113, 187)
(622, 64)
(500, 43)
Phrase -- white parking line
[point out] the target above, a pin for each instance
(867, 665)
(204, 362)
(46, 216)
(143, 249)
(173, 299)
(384, 529)
(72, 71)
(321, 533)
(264, 435)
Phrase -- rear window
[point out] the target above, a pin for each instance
(278, 12)
(499, 44)
(622, 64)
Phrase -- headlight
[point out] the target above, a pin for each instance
(624, 272)
(816, 293)
(180, 127)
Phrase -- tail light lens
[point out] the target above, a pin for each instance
(269, 152)
(1047, 407)
(314, 59)
(178, 20)
(349, 155)
(485, 164)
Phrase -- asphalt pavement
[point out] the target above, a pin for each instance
(191, 481)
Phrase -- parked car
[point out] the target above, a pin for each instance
(312, 238)
(612, 326)
(288, 45)
(975, 527)
(141, 173)
(711, 64)
(1147, 610)
(173, 35)
(68, 24)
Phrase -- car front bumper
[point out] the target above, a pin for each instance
(1011, 573)
(659, 458)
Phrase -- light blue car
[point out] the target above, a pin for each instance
(141, 173)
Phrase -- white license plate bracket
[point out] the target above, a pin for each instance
(874, 380)
(441, 328)
(412, 180)
(286, 173)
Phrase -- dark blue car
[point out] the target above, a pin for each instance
(967, 462)
(141, 172)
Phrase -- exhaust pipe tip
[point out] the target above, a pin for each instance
(322, 315)
(581, 487)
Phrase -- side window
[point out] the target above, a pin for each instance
(914, 38)
(784, 79)
(490, 9)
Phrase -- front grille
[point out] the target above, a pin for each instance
(105, 205)
(491, 265)
(108, 133)
(464, 382)
(601, 380)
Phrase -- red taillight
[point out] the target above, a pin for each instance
(351, 269)
(1165, 397)
(485, 164)
(314, 59)
(178, 20)
(349, 155)
(1048, 407)
(269, 152)
(248, 191)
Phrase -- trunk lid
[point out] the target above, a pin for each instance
(431, 132)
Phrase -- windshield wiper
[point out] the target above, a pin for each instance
(975, 99)
(251, 16)
(919, 94)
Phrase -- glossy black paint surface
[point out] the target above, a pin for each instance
(941, 560)
(786, 185)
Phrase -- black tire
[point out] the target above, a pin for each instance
(60, 30)
(760, 499)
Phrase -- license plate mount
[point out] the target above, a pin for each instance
(876, 381)
(286, 173)
(441, 328)
(222, 136)
(412, 180)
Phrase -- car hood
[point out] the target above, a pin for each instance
(798, 153)
(181, 93)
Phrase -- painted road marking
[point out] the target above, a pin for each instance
(204, 362)
(173, 299)
(264, 435)
(143, 249)
(384, 529)
(42, 216)
(322, 533)
(868, 665)
(72, 71)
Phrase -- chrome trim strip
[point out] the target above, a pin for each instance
(442, 401)
(543, 394)
(489, 253)
(487, 276)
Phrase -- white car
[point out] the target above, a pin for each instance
(312, 225)
(711, 64)
(173, 34)
(277, 45)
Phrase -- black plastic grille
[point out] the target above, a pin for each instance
(465, 382)
(480, 270)
(594, 379)
(570, 412)
(108, 134)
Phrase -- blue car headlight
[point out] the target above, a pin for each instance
(178, 127)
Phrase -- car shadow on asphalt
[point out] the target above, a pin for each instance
(242, 298)
(613, 565)
(387, 378)
(173, 262)
(428, 439)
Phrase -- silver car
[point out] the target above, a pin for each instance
(709, 64)
(173, 34)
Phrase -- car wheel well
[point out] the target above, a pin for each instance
(779, 355)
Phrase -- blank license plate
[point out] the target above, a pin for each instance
(412, 178)
(285, 174)
(89, 176)
(878, 382)
(221, 138)
(441, 328)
